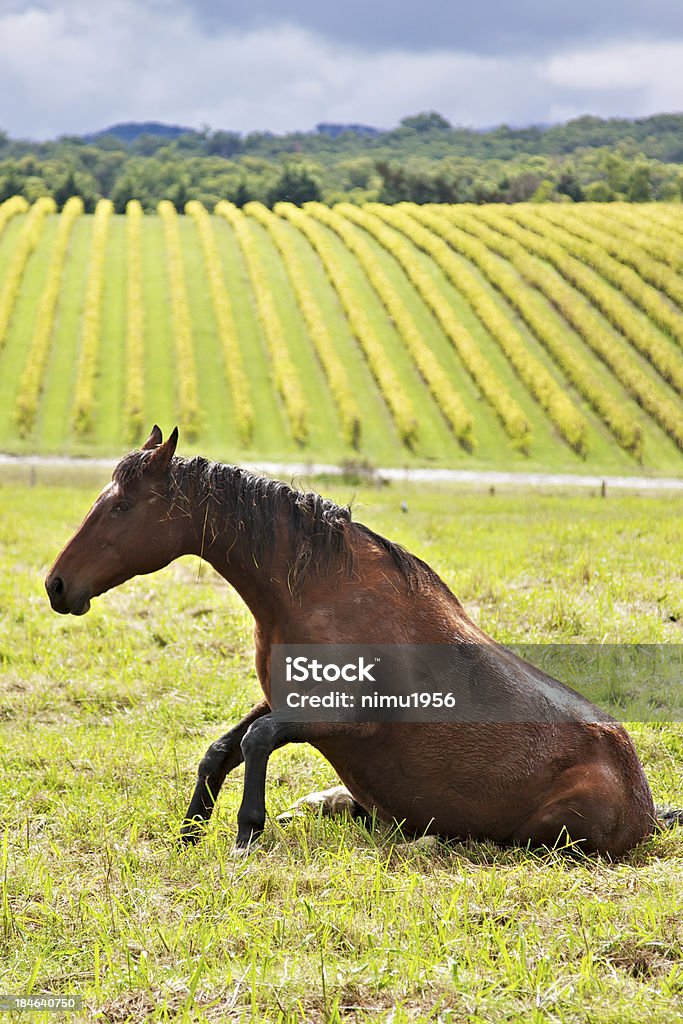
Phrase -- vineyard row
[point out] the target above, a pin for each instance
(576, 287)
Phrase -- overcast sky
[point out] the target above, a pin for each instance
(71, 66)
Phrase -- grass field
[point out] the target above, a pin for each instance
(103, 720)
(533, 336)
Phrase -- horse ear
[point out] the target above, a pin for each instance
(154, 439)
(163, 454)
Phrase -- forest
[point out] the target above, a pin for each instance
(424, 159)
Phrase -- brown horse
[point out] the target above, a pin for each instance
(310, 575)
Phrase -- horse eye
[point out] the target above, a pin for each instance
(122, 506)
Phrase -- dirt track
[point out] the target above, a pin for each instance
(56, 469)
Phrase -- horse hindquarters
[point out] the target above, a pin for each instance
(510, 783)
(602, 805)
(587, 810)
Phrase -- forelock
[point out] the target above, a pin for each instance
(131, 467)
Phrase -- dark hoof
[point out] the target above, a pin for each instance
(239, 851)
(246, 842)
(671, 817)
(191, 832)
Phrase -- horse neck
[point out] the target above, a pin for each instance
(261, 587)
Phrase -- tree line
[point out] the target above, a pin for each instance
(423, 160)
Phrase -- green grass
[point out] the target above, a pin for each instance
(656, 439)
(54, 411)
(435, 440)
(324, 422)
(270, 425)
(8, 240)
(16, 346)
(103, 721)
(490, 436)
(657, 446)
(210, 362)
(434, 436)
(377, 423)
(380, 443)
(111, 376)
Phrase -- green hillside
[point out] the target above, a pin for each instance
(533, 336)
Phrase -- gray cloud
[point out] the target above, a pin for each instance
(73, 66)
(492, 27)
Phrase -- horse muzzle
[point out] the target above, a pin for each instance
(62, 601)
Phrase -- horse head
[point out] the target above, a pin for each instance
(127, 532)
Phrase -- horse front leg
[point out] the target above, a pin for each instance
(220, 759)
(265, 736)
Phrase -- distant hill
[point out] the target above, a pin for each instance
(431, 135)
(333, 130)
(129, 131)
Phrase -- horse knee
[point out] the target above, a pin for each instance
(222, 756)
(257, 739)
(211, 761)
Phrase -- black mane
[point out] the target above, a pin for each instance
(319, 530)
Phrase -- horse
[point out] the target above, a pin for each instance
(311, 574)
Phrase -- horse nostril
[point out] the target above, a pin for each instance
(56, 586)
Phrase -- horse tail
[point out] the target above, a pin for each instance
(669, 818)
